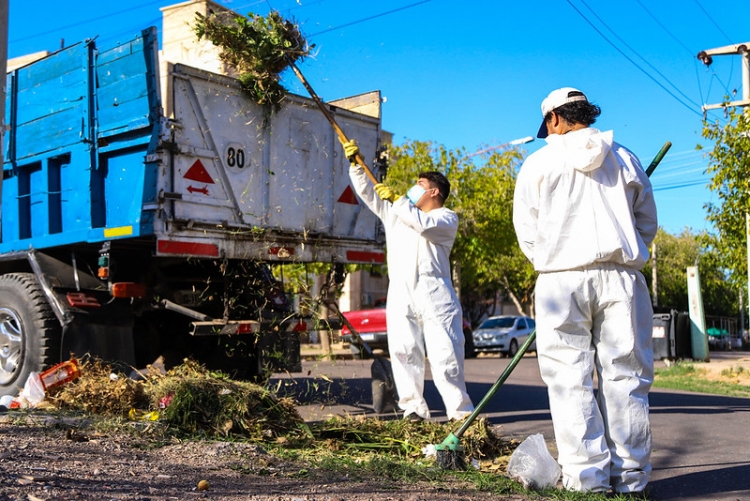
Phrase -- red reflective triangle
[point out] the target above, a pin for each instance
(198, 173)
(348, 197)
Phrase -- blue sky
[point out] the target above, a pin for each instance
(473, 74)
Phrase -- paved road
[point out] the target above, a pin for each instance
(700, 441)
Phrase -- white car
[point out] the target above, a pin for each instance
(504, 334)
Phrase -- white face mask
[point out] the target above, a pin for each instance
(415, 193)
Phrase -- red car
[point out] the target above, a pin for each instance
(371, 326)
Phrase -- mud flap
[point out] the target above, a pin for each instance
(384, 393)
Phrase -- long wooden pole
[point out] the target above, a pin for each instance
(327, 113)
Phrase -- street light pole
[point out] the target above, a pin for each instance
(515, 142)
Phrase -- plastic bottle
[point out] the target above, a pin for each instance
(60, 374)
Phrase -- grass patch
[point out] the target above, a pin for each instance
(687, 376)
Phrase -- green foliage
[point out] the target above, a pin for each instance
(260, 48)
(729, 166)
(674, 253)
(482, 196)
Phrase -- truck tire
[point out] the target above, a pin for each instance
(29, 331)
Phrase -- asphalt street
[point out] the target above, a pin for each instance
(700, 442)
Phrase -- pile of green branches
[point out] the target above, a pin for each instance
(258, 47)
(191, 401)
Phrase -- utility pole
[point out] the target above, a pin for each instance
(743, 50)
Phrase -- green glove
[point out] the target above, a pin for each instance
(350, 150)
(386, 193)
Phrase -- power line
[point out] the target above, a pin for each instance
(714, 22)
(371, 17)
(679, 186)
(81, 23)
(665, 28)
(637, 54)
(633, 62)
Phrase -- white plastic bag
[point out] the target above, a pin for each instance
(533, 465)
(33, 391)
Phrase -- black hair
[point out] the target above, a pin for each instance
(577, 112)
(439, 181)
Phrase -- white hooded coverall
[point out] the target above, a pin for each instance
(422, 310)
(585, 216)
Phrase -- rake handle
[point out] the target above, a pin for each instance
(327, 113)
(488, 396)
(658, 157)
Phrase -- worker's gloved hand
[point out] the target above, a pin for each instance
(386, 193)
(350, 150)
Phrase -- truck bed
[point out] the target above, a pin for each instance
(92, 157)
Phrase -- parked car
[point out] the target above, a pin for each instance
(718, 339)
(504, 334)
(371, 326)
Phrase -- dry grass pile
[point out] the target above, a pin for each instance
(258, 47)
(191, 401)
(407, 439)
(99, 391)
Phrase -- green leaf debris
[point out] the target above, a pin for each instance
(258, 47)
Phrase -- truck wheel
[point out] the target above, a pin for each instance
(29, 331)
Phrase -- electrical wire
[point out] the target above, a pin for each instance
(665, 29)
(371, 17)
(714, 22)
(633, 62)
(81, 23)
(680, 43)
(637, 54)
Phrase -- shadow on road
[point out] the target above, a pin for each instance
(729, 482)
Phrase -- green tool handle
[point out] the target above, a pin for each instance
(512, 365)
(658, 157)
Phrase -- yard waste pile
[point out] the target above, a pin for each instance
(190, 401)
(258, 47)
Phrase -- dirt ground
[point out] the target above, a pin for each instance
(45, 458)
(735, 369)
(48, 459)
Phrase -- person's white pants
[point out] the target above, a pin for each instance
(598, 321)
(428, 324)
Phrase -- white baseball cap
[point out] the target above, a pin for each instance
(555, 99)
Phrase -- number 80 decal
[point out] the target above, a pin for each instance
(234, 156)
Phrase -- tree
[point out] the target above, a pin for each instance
(729, 166)
(674, 254)
(482, 196)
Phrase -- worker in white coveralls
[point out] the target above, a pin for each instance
(585, 216)
(423, 313)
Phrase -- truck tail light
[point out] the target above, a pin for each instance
(128, 289)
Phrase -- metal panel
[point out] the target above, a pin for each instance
(51, 103)
(57, 189)
(287, 176)
(126, 93)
